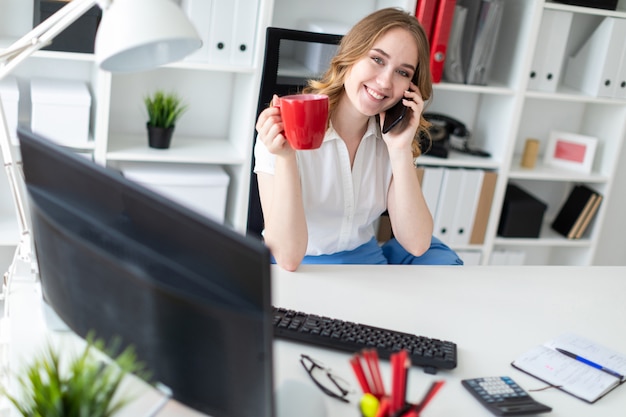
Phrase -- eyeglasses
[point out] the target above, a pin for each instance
(330, 383)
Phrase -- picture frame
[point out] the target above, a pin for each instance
(570, 151)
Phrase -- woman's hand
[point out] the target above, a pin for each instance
(402, 139)
(269, 127)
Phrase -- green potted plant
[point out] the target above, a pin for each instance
(85, 385)
(163, 109)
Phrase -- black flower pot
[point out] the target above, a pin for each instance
(159, 137)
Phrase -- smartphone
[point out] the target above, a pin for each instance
(394, 116)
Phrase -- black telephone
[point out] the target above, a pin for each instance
(442, 131)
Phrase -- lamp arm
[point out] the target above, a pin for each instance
(43, 34)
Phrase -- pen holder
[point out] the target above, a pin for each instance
(370, 406)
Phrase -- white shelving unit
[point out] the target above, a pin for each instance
(219, 126)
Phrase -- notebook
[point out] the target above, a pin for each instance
(580, 379)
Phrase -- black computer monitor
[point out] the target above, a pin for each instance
(191, 295)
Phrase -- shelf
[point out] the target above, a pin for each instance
(547, 237)
(478, 89)
(458, 159)
(565, 93)
(182, 150)
(585, 10)
(543, 172)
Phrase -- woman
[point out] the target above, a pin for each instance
(320, 206)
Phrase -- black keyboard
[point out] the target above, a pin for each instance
(432, 354)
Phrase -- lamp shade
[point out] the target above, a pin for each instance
(137, 35)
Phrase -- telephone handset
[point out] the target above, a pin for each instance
(449, 133)
(450, 124)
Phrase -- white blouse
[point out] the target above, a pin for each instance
(341, 204)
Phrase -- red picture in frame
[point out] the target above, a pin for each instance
(570, 151)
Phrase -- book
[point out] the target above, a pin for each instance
(573, 376)
(588, 216)
(584, 214)
(574, 210)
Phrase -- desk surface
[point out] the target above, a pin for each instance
(492, 313)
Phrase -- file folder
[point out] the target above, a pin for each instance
(440, 36)
(453, 65)
(483, 209)
(549, 54)
(431, 187)
(467, 203)
(487, 29)
(594, 68)
(620, 85)
(469, 32)
(199, 13)
(448, 201)
(220, 35)
(243, 31)
(425, 13)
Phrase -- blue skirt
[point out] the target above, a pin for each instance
(371, 253)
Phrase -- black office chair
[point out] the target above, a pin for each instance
(292, 57)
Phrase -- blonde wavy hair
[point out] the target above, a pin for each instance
(359, 41)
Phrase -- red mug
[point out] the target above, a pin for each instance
(304, 118)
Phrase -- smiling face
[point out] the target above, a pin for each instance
(378, 80)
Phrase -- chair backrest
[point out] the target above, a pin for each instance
(292, 57)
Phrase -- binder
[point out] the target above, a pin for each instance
(620, 85)
(467, 203)
(594, 68)
(243, 32)
(431, 187)
(483, 209)
(440, 35)
(487, 29)
(199, 12)
(469, 32)
(448, 201)
(220, 33)
(549, 54)
(453, 65)
(231, 33)
(425, 13)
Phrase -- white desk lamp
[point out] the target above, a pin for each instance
(133, 35)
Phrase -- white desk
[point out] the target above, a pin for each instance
(492, 313)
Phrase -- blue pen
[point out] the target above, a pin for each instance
(590, 363)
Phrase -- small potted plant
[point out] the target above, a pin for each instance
(86, 385)
(163, 109)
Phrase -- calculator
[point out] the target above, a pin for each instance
(503, 397)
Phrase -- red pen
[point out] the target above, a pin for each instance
(371, 358)
(399, 371)
(435, 386)
(355, 361)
